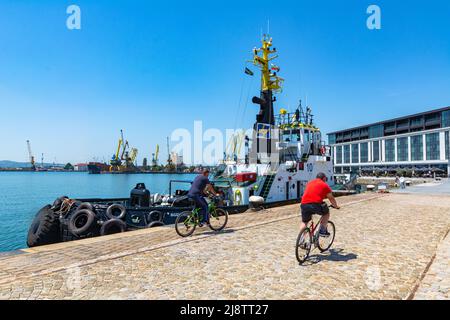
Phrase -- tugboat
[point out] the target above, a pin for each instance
(286, 150)
(283, 154)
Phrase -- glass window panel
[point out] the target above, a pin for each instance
(389, 150)
(402, 149)
(416, 148)
(355, 153)
(433, 152)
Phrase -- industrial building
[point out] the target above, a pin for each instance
(417, 142)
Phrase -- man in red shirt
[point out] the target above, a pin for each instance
(312, 202)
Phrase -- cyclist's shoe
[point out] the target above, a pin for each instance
(324, 233)
(201, 224)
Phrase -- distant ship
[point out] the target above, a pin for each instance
(98, 167)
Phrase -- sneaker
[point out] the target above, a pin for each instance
(201, 224)
(324, 233)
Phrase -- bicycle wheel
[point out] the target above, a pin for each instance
(185, 224)
(303, 245)
(324, 243)
(218, 219)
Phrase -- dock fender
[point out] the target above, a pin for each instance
(155, 216)
(113, 226)
(116, 211)
(44, 229)
(155, 224)
(81, 222)
(86, 205)
(58, 202)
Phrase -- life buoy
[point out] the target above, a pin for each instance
(237, 197)
(322, 150)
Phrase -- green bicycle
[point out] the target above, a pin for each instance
(187, 221)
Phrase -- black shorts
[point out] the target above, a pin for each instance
(313, 208)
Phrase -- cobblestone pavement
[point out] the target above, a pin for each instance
(436, 283)
(383, 246)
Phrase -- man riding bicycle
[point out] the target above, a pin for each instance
(312, 202)
(201, 183)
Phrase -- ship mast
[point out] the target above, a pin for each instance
(270, 82)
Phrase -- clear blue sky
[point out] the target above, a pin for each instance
(149, 67)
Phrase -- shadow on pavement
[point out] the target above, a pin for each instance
(217, 232)
(331, 255)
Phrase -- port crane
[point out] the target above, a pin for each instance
(155, 156)
(30, 154)
(123, 159)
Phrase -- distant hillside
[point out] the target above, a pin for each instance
(15, 164)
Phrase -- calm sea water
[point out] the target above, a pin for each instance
(23, 193)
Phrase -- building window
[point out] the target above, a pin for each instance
(447, 146)
(338, 154)
(364, 152)
(402, 149)
(445, 118)
(376, 151)
(347, 153)
(376, 131)
(355, 153)
(416, 148)
(331, 139)
(433, 146)
(389, 150)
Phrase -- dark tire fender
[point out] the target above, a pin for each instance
(155, 216)
(86, 205)
(113, 226)
(112, 209)
(155, 224)
(82, 222)
(44, 229)
(58, 202)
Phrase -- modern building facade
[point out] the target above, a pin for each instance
(419, 141)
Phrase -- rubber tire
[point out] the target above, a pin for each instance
(299, 259)
(109, 211)
(224, 225)
(330, 224)
(58, 202)
(86, 205)
(114, 224)
(184, 214)
(155, 224)
(86, 228)
(159, 217)
(44, 229)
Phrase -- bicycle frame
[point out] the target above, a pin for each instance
(313, 227)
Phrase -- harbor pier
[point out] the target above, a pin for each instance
(387, 246)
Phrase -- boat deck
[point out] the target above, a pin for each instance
(383, 247)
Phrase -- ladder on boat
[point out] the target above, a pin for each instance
(267, 185)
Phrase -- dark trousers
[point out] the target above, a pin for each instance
(201, 203)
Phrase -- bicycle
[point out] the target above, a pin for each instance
(311, 233)
(187, 221)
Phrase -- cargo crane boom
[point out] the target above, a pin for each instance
(30, 154)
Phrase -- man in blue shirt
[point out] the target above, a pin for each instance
(200, 183)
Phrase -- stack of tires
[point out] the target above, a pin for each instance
(89, 220)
